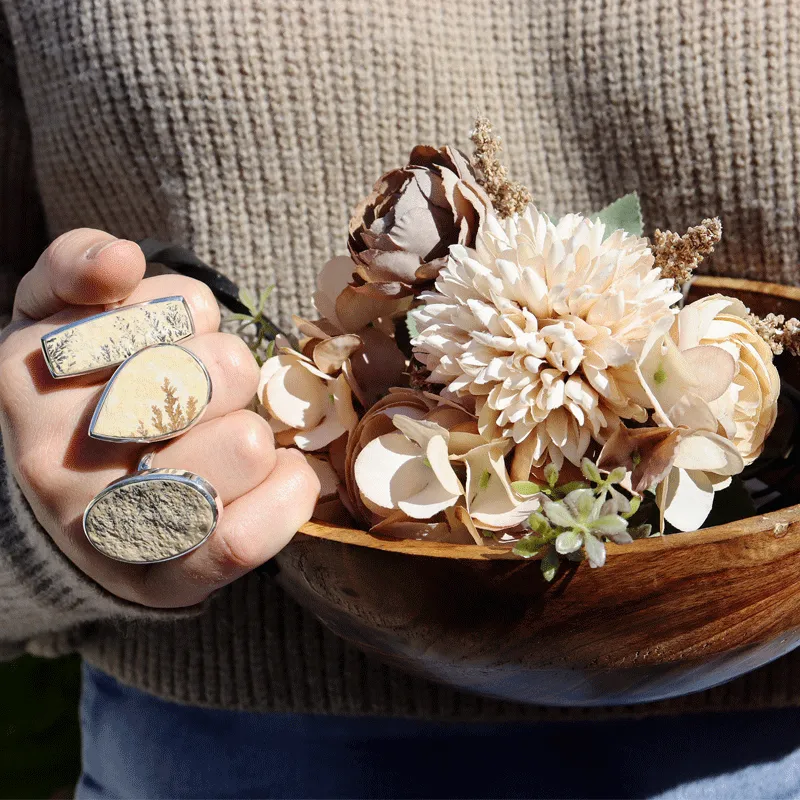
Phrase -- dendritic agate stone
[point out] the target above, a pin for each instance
(153, 516)
(156, 394)
(106, 340)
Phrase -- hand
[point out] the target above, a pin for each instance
(267, 493)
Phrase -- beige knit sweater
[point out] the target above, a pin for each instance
(246, 130)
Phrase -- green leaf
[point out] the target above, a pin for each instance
(590, 471)
(550, 564)
(483, 481)
(625, 214)
(568, 542)
(411, 324)
(635, 503)
(270, 349)
(617, 475)
(526, 487)
(610, 525)
(595, 550)
(581, 501)
(558, 514)
(241, 317)
(248, 299)
(538, 523)
(566, 488)
(264, 296)
(529, 546)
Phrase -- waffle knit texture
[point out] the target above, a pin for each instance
(247, 130)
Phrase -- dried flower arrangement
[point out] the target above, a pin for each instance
(483, 373)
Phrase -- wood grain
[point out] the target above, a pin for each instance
(663, 617)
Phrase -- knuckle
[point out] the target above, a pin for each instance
(236, 552)
(251, 437)
(305, 487)
(34, 467)
(52, 254)
(52, 249)
(202, 301)
(15, 374)
(236, 362)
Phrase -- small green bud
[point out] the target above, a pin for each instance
(551, 475)
(526, 487)
(617, 475)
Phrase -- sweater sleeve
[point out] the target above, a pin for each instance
(22, 229)
(41, 591)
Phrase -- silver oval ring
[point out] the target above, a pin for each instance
(152, 516)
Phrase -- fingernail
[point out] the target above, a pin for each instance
(98, 248)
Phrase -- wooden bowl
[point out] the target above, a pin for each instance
(664, 616)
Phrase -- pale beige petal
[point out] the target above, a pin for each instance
(391, 468)
(437, 455)
(461, 524)
(328, 479)
(331, 281)
(330, 354)
(714, 367)
(322, 435)
(688, 499)
(420, 431)
(296, 397)
(708, 452)
(343, 403)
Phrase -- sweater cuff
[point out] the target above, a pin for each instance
(41, 591)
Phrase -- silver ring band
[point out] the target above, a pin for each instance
(146, 461)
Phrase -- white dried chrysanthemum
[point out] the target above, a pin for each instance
(543, 324)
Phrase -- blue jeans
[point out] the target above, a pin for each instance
(138, 746)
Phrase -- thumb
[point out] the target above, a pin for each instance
(81, 267)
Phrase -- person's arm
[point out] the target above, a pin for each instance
(51, 579)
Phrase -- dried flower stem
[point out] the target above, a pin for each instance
(778, 332)
(508, 197)
(678, 256)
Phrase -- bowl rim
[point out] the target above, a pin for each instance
(771, 522)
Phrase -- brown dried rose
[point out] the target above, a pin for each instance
(401, 233)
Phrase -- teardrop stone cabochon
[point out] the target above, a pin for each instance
(156, 394)
(154, 516)
(107, 339)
